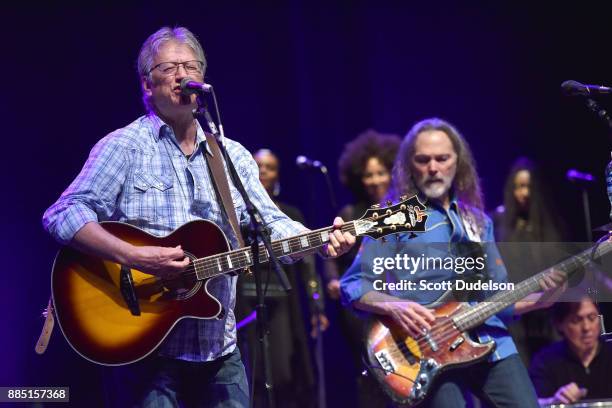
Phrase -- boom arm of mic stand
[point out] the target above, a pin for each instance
(257, 222)
(256, 219)
(202, 112)
(600, 112)
(257, 229)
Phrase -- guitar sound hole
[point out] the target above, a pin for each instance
(185, 284)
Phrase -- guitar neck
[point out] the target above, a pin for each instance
(406, 216)
(242, 258)
(477, 314)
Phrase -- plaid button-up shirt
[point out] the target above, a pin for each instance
(139, 175)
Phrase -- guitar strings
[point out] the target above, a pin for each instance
(208, 266)
(438, 333)
(525, 286)
(209, 263)
(445, 331)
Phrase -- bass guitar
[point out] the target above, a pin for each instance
(113, 315)
(407, 367)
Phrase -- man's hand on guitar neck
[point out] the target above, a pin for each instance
(339, 242)
(409, 316)
(553, 284)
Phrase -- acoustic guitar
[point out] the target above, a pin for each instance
(113, 315)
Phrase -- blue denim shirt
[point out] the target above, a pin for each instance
(443, 229)
(139, 175)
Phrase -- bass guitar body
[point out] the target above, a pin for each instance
(112, 315)
(406, 367)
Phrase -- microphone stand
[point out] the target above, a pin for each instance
(257, 232)
(605, 336)
(586, 207)
(587, 213)
(328, 183)
(605, 117)
(330, 189)
(600, 112)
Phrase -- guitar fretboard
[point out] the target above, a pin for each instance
(476, 315)
(242, 258)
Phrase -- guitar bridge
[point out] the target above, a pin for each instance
(385, 361)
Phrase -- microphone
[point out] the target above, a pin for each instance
(189, 86)
(579, 177)
(573, 88)
(304, 162)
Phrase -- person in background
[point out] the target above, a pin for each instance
(528, 219)
(578, 366)
(292, 360)
(365, 168)
(435, 162)
(527, 214)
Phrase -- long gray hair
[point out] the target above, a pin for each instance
(151, 47)
(466, 184)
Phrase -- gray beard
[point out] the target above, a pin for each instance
(435, 191)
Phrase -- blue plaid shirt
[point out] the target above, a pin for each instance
(442, 226)
(139, 175)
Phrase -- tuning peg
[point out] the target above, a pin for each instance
(389, 203)
(404, 197)
(375, 206)
(383, 240)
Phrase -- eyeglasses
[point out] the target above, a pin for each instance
(170, 68)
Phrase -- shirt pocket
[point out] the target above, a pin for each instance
(146, 181)
(152, 197)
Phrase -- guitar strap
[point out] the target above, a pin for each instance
(477, 247)
(45, 335)
(215, 163)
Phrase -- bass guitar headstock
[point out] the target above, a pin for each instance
(408, 215)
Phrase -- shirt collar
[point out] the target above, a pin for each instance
(454, 203)
(160, 129)
(571, 355)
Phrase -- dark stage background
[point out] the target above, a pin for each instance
(299, 79)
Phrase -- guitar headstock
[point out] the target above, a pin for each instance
(408, 215)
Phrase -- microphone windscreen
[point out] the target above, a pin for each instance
(187, 90)
(301, 161)
(573, 88)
